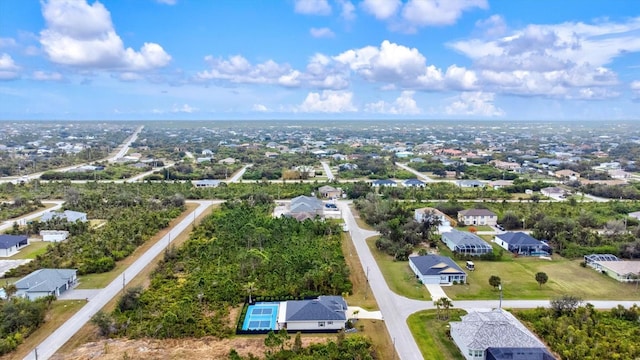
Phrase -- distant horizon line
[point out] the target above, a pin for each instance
(323, 120)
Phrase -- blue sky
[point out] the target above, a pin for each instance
(320, 59)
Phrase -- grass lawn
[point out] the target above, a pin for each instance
(478, 228)
(98, 281)
(398, 275)
(431, 334)
(34, 249)
(518, 281)
(61, 311)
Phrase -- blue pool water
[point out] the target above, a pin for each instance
(261, 316)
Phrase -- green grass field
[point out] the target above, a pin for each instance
(431, 334)
(518, 281)
(34, 249)
(398, 275)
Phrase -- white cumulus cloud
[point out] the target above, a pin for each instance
(568, 60)
(348, 10)
(321, 32)
(381, 9)
(476, 103)
(260, 108)
(421, 13)
(328, 101)
(8, 68)
(184, 108)
(405, 104)
(82, 35)
(312, 7)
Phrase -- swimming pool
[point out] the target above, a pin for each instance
(261, 316)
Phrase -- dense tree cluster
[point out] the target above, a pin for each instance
(18, 207)
(194, 287)
(343, 348)
(584, 333)
(400, 233)
(19, 317)
(130, 221)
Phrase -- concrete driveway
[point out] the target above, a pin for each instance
(436, 291)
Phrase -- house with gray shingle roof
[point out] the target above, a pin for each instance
(522, 244)
(326, 313)
(305, 207)
(479, 331)
(11, 244)
(68, 215)
(436, 269)
(45, 282)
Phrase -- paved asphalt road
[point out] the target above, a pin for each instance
(395, 308)
(59, 337)
(419, 175)
(125, 147)
(238, 175)
(327, 171)
(23, 219)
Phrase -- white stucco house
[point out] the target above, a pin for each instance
(436, 269)
(54, 235)
(324, 314)
(445, 221)
(11, 244)
(494, 335)
(478, 217)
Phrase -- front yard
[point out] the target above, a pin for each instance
(518, 281)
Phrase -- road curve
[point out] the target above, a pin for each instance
(51, 344)
(396, 309)
(23, 219)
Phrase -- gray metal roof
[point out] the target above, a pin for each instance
(435, 265)
(45, 280)
(305, 204)
(462, 238)
(7, 241)
(69, 215)
(323, 308)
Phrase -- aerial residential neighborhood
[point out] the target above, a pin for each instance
(319, 179)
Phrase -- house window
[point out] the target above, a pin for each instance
(329, 322)
(320, 323)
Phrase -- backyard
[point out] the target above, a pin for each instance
(431, 334)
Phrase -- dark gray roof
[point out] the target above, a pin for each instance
(518, 238)
(7, 241)
(45, 280)
(414, 182)
(435, 265)
(477, 212)
(322, 308)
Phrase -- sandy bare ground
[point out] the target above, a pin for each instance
(183, 349)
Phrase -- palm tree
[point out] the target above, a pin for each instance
(446, 304)
(438, 304)
(249, 288)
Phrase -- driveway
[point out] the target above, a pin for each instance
(436, 291)
(79, 294)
